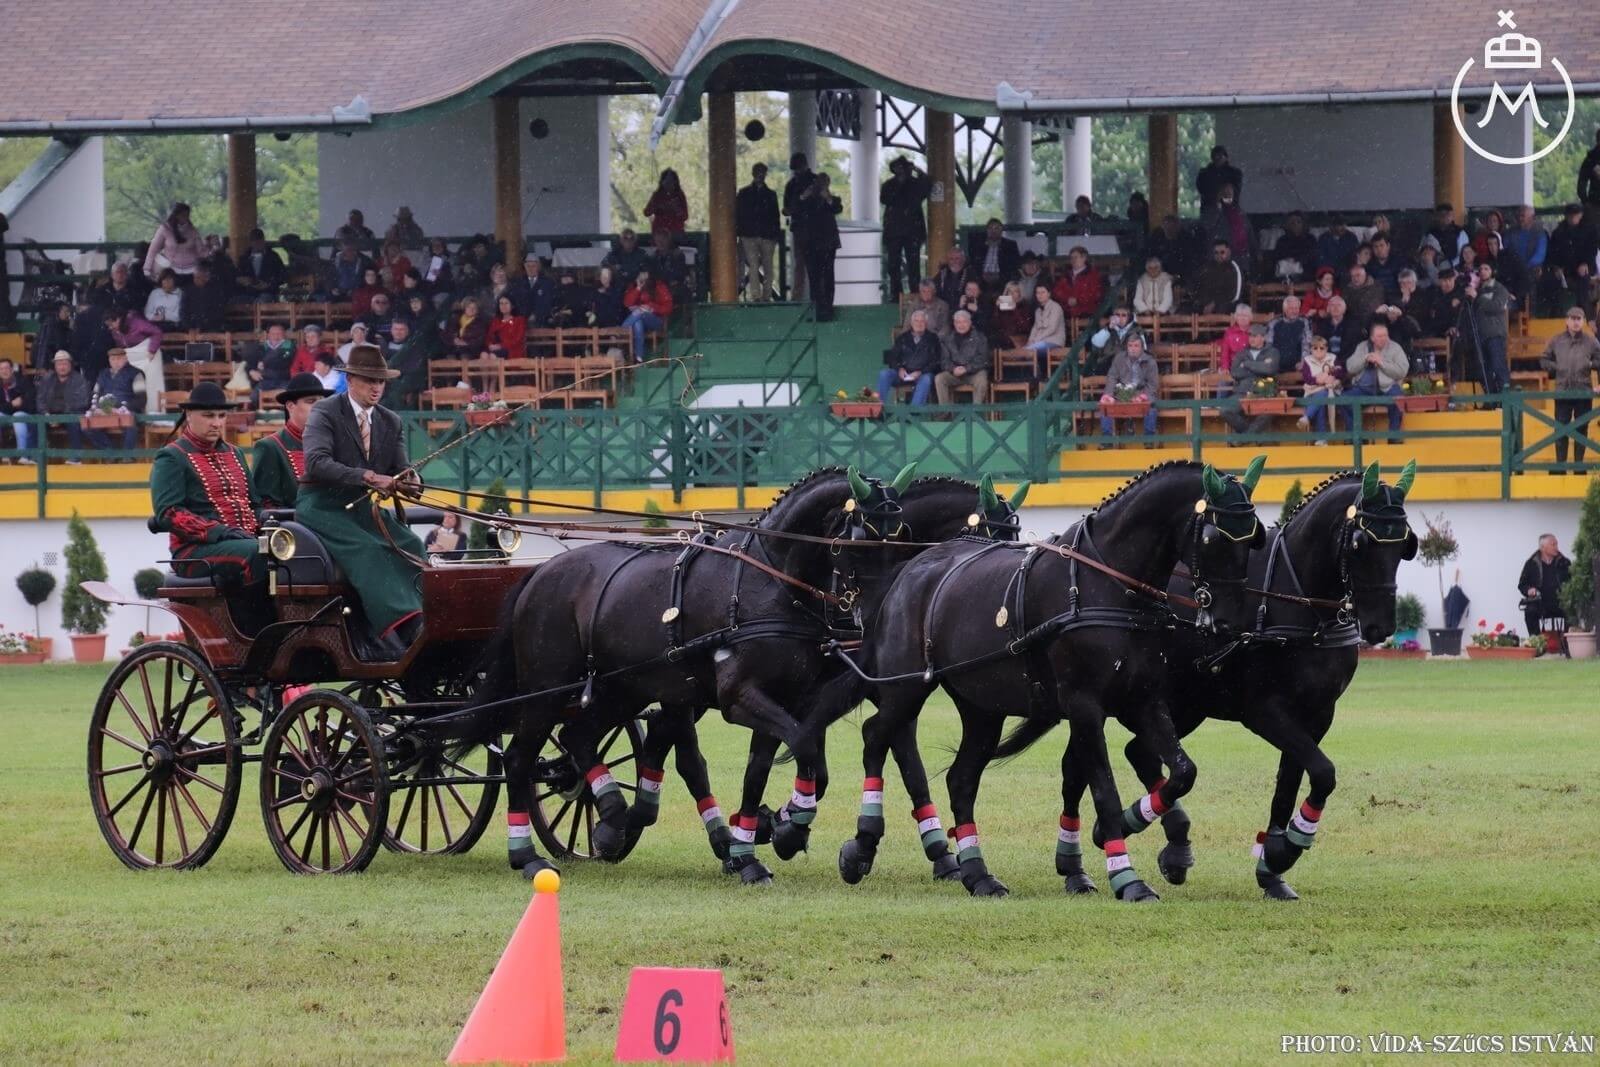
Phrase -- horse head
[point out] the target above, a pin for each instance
(997, 517)
(1374, 539)
(1224, 532)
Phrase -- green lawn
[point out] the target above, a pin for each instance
(1453, 889)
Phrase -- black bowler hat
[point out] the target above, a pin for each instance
(303, 385)
(207, 396)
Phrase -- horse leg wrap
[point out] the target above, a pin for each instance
(1146, 810)
(1280, 848)
(609, 835)
(934, 845)
(647, 802)
(601, 784)
(793, 828)
(1069, 856)
(519, 840)
(1176, 824)
(741, 854)
(716, 829)
(1125, 882)
(974, 872)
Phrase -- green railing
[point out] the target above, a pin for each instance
(787, 373)
(675, 449)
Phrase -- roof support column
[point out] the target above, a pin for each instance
(1077, 162)
(803, 125)
(508, 178)
(865, 156)
(241, 190)
(724, 188)
(1163, 177)
(1449, 161)
(1016, 146)
(939, 135)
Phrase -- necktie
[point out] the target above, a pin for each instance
(364, 417)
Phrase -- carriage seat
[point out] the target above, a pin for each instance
(169, 580)
(312, 563)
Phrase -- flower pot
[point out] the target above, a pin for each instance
(1266, 405)
(857, 409)
(24, 657)
(1580, 643)
(1126, 409)
(487, 417)
(88, 648)
(1431, 402)
(1445, 642)
(1393, 653)
(1500, 652)
(1402, 636)
(113, 421)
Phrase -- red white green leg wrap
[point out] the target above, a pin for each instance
(1146, 810)
(1068, 849)
(649, 793)
(802, 806)
(518, 832)
(1118, 866)
(1302, 828)
(872, 798)
(744, 836)
(931, 830)
(710, 814)
(601, 784)
(966, 836)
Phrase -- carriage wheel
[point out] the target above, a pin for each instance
(450, 810)
(324, 793)
(563, 813)
(164, 759)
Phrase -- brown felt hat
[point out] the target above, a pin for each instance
(367, 362)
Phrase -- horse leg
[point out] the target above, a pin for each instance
(1164, 792)
(1069, 852)
(697, 779)
(518, 766)
(1177, 856)
(742, 852)
(1289, 832)
(857, 854)
(915, 777)
(980, 736)
(664, 734)
(1087, 718)
(791, 825)
(581, 740)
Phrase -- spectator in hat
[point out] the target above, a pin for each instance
(816, 233)
(905, 227)
(405, 229)
(1152, 293)
(668, 209)
(355, 229)
(358, 336)
(1216, 174)
(759, 227)
(305, 353)
(1570, 358)
(16, 400)
(64, 392)
(801, 178)
(1493, 222)
(124, 384)
(260, 273)
(1572, 247)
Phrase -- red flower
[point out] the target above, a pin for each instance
(1482, 623)
(1499, 626)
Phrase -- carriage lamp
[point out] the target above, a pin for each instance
(509, 538)
(278, 543)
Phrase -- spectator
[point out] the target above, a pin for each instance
(269, 365)
(446, 542)
(1467, 262)
(1139, 213)
(380, 316)
(1337, 246)
(534, 294)
(800, 179)
(355, 229)
(1406, 312)
(1510, 270)
(1256, 361)
(325, 366)
(423, 319)
(205, 302)
(1235, 339)
(964, 360)
(132, 330)
(1216, 174)
(358, 336)
(436, 277)
(671, 267)
(118, 292)
(1528, 239)
(55, 333)
(164, 305)
(507, 335)
(499, 285)
(1569, 358)
(1539, 586)
(405, 230)
(649, 305)
(1447, 234)
(260, 272)
(1133, 369)
(1362, 295)
(952, 278)
(64, 392)
(915, 358)
(1446, 306)
(1081, 289)
(937, 311)
(626, 258)
(609, 309)
(668, 209)
(1322, 376)
(91, 339)
(361, 298)
(1032, 274)
(1290, 332)
(16, 400)
(816, 233)
(1176, 249)
(1049, 330)
(306, 352)
(178, 242)
(1295, 255)
(1083, 218)
(573, 304)
(1226, 222)
(1377, 368)
(1570, 253)
(973, 303)
(1013, 317)
(395, 264)
(996, 256)
(905, 228)
(1385, 267)
(1490, 304)
(1111, 340)
(1221, 283)
(410, 283)
(1152, 294)
(1493, 223)
(350, 266)
(124, 384)
(464, 332)
(1427, 265)
(408, 353)
(1381, 225)
(759, 228)
(1341, 331)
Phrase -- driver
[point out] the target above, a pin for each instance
(201, 494)
(354, 447)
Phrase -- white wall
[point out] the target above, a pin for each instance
(69, 206)
(1361, 157)
(443, 169)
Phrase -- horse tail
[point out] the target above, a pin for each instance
(478, 722)
(1022, 737)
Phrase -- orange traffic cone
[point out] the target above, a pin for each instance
(520, 1017)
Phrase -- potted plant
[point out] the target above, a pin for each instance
(1263, 399)
(36, 584)
(21, 648)
(1577, 593)
(1394, 649)
(1498, 643)
(1126, 402)
(1437, 547)
(1407, 617)
(1423, 393)
(479, 537)
(139, 637)
(864, 405)
(81, 614)
(484, 410)
(104, 414)
(147, 583)
(1291, 501)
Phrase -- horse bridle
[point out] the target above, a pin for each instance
(1207, 525)
(877, 519)
(1359, 523)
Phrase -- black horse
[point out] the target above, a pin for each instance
(1079, 630)
(1329, 575)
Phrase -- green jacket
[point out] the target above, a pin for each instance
(277, 463)
(200, 494)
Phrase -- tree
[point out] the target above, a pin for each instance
(1291, 500)
(1121, 163)
(15, 155)
(80, 612)
(494, 501)
(36, 584)
(146, 175)
(1555, 177)
(1577, 592)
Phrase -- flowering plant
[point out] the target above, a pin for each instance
(1408, 645)
(1499, 637)
(1264, 387)
(484, 402)
(12, 643)
(1539, 643)
(137, 639)
(1126, 394)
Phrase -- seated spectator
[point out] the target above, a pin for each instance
(669, 266)
(507, 334)
(1405, 313)
(928, 302)
(55, 333)
(1013, 317)
(260, 273)
(1447, 234)
(350, 266)
(395, 264)
(1467, 262)
(1175, 248)
(358, 336)
(124, 384)
(1363, 257)
(996, 256)
(420, 313)
(16, 400)
(447, 542)
(1235, 339)
(465, 331)
(1381, 225)
(409, 353)
(1049, 330)
(436, 276)
(1256, 361)
(1111, 340)
(1341, 331)
(1323, 376)
(1572, 248)
(205, 302)
(951, 280)
(1138, 212)
(1290, 332)
(1492, 223)
(915, 358)
(964, 360)
(609, 310)
(269, 363)
(179, 243)
(1152, 293)
(307, 351)
(974, 303)
(164, 306)
(1362, 296)
(649, 304)
(1385, 267)
(410, 283)
(1295, 255)
(1134, 370)
(574, 303)
(498, 285)
(1377, 368)
(405, 230)
(1221, 283)
(1427, 266)
(668, 209)
(533, 294)
(1228, 222)
(64, 392)
(626, 258)
(380, 316)
(361, 298)
(1031, 273)
(1512, 272)
(116, 290)
(1337, 246)
(1315, 303)
(355, 229)
(1570, 358)
(1081, 221)
(1528, 240)
(1080, 290)
(1444, 308)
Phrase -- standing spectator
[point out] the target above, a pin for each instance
(1322, 375)
(1569, 256)
(1256, 361)
(464, 332)
(800, 179)
(964, 360)
(1152, 294)
(1493, 222)
(1337, 246)
(405, 229)
(16, 400)
(1049, 330)
(533, 294)
(355, 229)
(649, 305)
(179, 243)
(995, 256)
(928, 302)
(905, 228)
(626, 258)
(1013, 317)
(124, 384)
(1377, 368)
(1362, 295)
(609, 310)
(1427, 265)
(55, 333)
(1447, 234)
(1539, 586)
(91, 339)
(1528, 240)
(1341, 331)
(306, 352)
(1235, 339)
(668, 209)
(164, 305)
(436, 278)
(1512, 272)
(64, 392)
(1569, 358)
(816, 231)
(1133, 369)
(1214, 175)
(1111, 340)
(507, 334)
(1490, 304)
(1385, 267)
(395, 264)
(1295, 255)
(671, 266)
(1290, 332)
(1227, 222)
(915, 359)
(1080, 290)
(260, 272)
(1176, 249)
(350, 266)
(132, 330)
(952, 277)
(361, 298)
(759, 228)
(268, 365)
(1589, 182)
(1221, 283)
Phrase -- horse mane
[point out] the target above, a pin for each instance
(1317, 490)
(1143, 476)
(943, 479)
(798, 483)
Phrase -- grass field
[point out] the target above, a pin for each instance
(1453, 889)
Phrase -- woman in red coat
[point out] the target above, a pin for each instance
(668, 208)
(508, 333)
(1080, 290)
(361, 299)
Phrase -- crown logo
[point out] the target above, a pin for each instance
(1512, 51)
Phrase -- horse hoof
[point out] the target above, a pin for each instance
(1277, 889)
(608, 841)
(946, 869)
(641, 816)
(1079, 884)
(988, 886)
(789, 839)
(721, 840)
(1174, 862)
(519, 858)
(754, 873)
(1136, 892)
(853, 865)
(537, 864)
(765, 821)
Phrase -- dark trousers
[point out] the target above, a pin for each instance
(1568, 411)
(102, 440)
(1496, 377)
(905, 258)
(819, 276)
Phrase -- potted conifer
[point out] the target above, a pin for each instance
(1438, 547)
(36, 584)
(1577, 593)
(81, 614)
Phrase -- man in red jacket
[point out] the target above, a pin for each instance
(1080, 290)
(649, 305)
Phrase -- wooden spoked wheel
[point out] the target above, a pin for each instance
(440, 804)
(563, 813)
(164, 759)
(324, 791)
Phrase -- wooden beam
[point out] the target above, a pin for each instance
(724, 183)
(1163, 176)
(241, 191)
(508, 179)
(1449, 161)
(939, 135)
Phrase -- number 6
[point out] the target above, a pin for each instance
(664, 1018)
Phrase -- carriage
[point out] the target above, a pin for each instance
(279, 676)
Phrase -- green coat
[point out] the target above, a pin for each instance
(202, 498)
(277, 464)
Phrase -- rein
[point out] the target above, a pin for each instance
(1128, 580)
